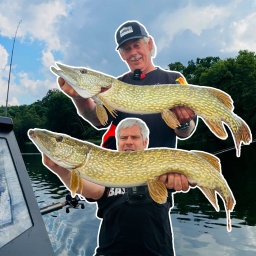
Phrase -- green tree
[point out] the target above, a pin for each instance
(194, 70)
(61, 116)
(235, 76)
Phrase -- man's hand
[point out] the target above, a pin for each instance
(184, 114)
(68, 89)
(175, 181)
(86, 107)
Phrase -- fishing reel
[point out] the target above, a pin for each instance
(70, 203)
(73, 202)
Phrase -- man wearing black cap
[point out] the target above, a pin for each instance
(136, 48)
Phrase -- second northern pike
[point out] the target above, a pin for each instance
(212, 105)
(127, 169)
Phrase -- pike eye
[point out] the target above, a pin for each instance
(59, 139)
(83, 71)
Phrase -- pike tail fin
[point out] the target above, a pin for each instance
(240, 131)
(229, 203)
(229, 208)
(241, 135)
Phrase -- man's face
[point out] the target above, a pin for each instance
(137, 54)
(131, 139)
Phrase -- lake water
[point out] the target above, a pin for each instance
(198, 229)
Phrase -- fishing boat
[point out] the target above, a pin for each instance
(22, 229)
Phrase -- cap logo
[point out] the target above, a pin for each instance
(125, 30)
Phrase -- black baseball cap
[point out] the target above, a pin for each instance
(130, 30)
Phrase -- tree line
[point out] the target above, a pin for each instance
(236, 76)
(55, 112)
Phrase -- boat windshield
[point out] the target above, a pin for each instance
(14, 214)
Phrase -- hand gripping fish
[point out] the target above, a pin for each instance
(127, 169)
(213, 106)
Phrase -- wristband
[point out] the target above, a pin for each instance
(183, 126)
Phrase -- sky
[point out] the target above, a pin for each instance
(81, 33)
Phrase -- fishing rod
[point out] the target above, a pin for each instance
(6, 106)
(70, 203)
(228, 149)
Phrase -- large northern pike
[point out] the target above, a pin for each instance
(212, 105)
(127, 169)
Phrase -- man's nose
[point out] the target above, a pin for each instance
(133, 51)
(129, 140)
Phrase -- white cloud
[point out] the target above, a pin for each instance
(32, 88)
(191, 17)
(3, 57)
(243, 35)
(12, 101)
(43, 21)
(26, 89)
(40, 23)
(48, 58)
(39, 20)
(81, 33)
(4, 71)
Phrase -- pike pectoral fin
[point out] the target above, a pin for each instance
(211, 196)
(170, 118)
(75, 182)
(101, 113)
(157, 190)
(80, 185)
(217, 128)
(111, 110)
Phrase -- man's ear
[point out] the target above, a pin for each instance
(146, 143)
(150, 43)
(122, 55)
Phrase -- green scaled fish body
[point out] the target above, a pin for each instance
(127, 169)
(213, 106)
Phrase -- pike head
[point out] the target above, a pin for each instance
(86, 82)
(59, 147)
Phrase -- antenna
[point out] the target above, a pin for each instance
(6, 106)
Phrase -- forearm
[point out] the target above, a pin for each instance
(90, 190)
(86, 108)
(186, 132)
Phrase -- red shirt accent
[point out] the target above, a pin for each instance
(110, 132)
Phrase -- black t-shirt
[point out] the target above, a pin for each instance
(161, 135)
(141, 228)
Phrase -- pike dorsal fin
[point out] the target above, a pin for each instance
(223, 97)
(213, 160)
